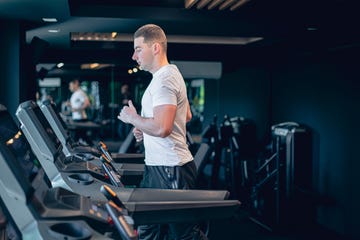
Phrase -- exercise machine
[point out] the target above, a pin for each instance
(281, 193)
(45, 142)
(162, 204)
(71, 147)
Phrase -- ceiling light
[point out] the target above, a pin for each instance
(135, 70)
(49, 19)
(175, 39)
(311, 28)
(202, 4)
(130, 71)
(190, 3)
(94, 65)
(17, 135)
(212, 39)
(10, 141)
(238, 4)
(54, 30)
(211, 4)
(226, 4)
(214, 4)
(60, 65)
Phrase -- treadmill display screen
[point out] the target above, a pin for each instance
(40, 116)
(13, 138)
(63, 128)
(63, 124)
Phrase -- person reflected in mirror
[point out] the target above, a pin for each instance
(79, 102)
(124, 128)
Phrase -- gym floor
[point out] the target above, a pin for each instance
(241, 227)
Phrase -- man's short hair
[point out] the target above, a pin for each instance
(152, 33)
(75, 80)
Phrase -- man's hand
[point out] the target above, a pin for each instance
(127, 113)
(161, 125)
(138, 134)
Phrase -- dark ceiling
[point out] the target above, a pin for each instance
(306, 25)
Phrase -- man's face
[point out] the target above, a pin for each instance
(72, 86)
(143, 54)
(124, 89)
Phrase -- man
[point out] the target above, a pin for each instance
(78, 101)
(162, 126)
(124, 128)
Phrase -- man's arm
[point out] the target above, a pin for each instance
(86, 103)
(161, 125)
(188, 113)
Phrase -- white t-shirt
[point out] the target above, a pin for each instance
(77, 100)
(167, 87)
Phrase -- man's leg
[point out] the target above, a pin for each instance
(150, 180)
(149, 232)
(179, 177)
(186, 179)
(186, 231)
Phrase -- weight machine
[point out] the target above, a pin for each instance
(281, 193)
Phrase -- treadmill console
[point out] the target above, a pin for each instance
(119, 214)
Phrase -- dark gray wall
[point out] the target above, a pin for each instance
(322, 91)
(244, 93)
(17, 65)
(10, 64)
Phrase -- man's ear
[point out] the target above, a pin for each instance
(156, 48)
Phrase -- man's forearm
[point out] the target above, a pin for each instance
(160, 125)
(149, 126)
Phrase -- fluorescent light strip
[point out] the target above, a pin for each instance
(213, 40)
(173, 39)
(49, 19)
(53, 30)
(311, 28)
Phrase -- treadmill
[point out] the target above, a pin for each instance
(144, 205)
(37, 211)
(71, 147)
(37, 128)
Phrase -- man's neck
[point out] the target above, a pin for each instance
(162, 62)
